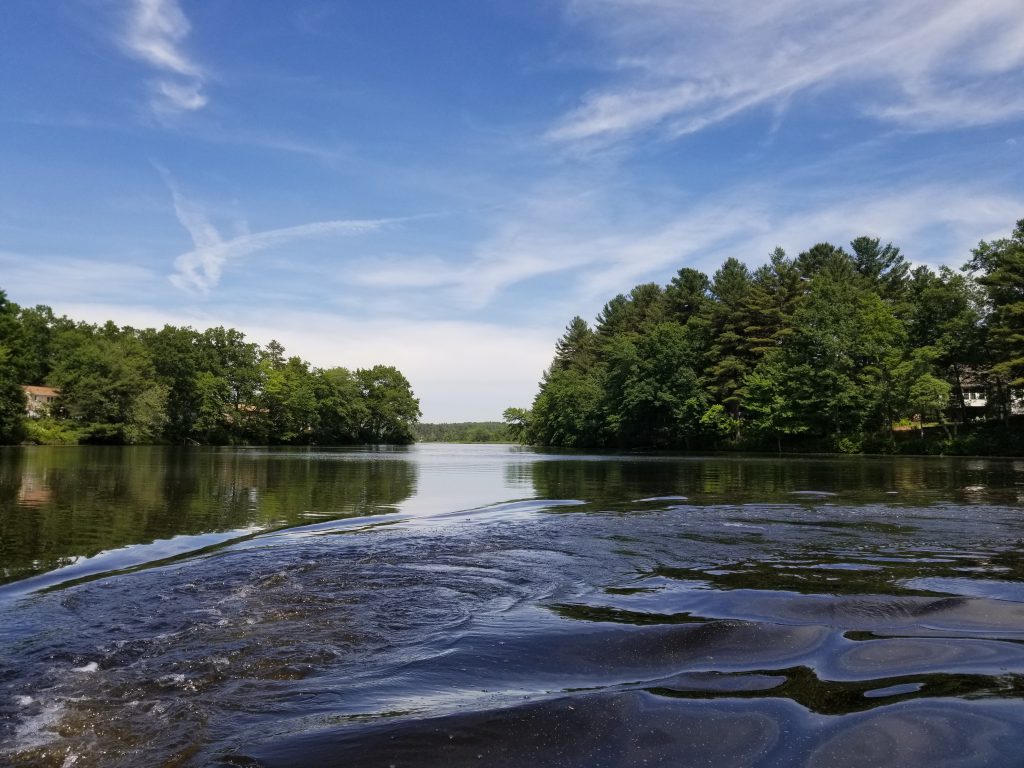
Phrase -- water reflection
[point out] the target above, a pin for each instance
(612, 479)
(61, 504)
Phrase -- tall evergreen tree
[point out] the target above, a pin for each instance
(730, 356)
(687, 295)
(816, 258)
(577, 348)
(770, 304)
(1001, 267)
(884, 267)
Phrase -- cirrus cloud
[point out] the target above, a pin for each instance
(680, 67)
(155, 32)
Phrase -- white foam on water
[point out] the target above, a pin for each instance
(92, 666)
(38, 730)
(23, 701)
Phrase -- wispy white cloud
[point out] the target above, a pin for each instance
(201, 268)
(155, 32)
(31, 278)
(596, 252)
(934, 224)
(545, 233)
(680, 67)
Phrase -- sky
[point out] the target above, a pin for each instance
(442, 186)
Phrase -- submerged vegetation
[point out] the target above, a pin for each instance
(179, 385)
(832, 350)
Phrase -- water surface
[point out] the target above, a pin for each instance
(455, 605)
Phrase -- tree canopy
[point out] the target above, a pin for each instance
(177, 384)
(828, 350)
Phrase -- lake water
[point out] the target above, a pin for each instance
(488, 605)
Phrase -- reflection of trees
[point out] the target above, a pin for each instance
(83, 500)
(612, 480)
(736, 479)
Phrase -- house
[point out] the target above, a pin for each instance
(977, 391)
(38, 400)
(975, 398)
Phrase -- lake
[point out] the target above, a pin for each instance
(448, 605)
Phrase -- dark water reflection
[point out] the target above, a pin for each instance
(455, 605)
(59, 505)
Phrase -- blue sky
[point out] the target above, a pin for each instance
(442, 186)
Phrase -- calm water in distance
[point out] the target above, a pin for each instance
(490, 605)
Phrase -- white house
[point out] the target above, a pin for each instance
(38, 400)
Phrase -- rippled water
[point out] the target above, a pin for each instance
(455, 605)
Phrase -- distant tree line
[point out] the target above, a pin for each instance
(463, 432)
(180, 385)
(829, 350)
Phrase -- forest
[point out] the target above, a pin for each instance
(123, 385)
(848, 350)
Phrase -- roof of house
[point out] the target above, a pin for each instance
(34, 390)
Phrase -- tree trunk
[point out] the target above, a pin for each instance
(960, 395)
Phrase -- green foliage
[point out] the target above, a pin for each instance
(106, 378)
(12, 396)
(825, 351)
(463, 432)
(391, 410)
(577, 348)
(12, 401)
(50, 431)
(835, 363)
(653, 394)
(517, 423)
(1001, 264)
(717, 422)
(730, 356)
(773, 412)
(341, 407)
(567, 411)
(122, 385)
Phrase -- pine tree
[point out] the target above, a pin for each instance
(1001, 264)
(730, 355)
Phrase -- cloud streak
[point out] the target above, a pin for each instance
(39, 277)
(155, 32)
(579, 240)
(200, 269)
(678, 68)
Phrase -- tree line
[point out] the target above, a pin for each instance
(462, 432)
(830, 350)
(179, 385)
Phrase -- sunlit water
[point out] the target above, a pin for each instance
(488, 605)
